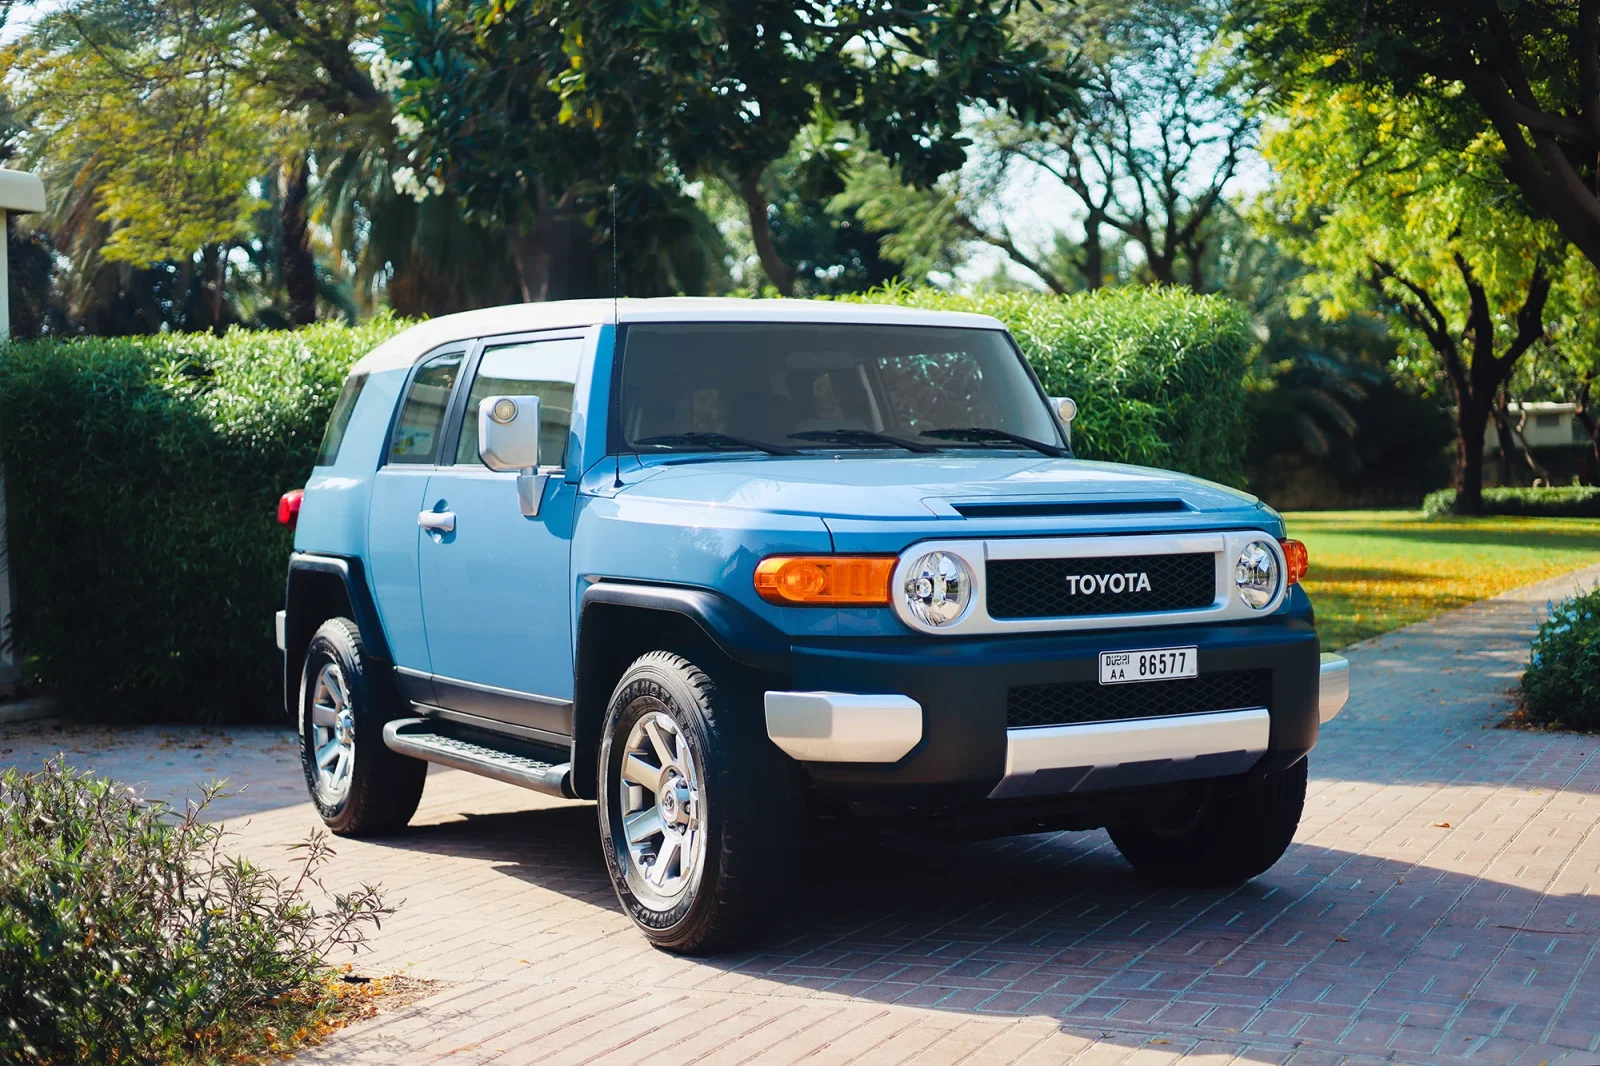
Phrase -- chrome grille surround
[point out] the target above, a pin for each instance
(1224, 547)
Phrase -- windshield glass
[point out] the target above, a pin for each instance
(790, 384)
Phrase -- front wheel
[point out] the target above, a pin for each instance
(698, 813)
(1243, 829)
(358, 785)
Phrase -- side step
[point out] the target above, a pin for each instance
(422, 738)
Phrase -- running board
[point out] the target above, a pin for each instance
(421, 738)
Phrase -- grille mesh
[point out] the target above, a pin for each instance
(1039, 588)
(1089, 701)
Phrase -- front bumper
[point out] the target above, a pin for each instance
(917, 714)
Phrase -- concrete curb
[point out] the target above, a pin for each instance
(30, 710)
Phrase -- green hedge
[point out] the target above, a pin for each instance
(143, 474)
(1158, 374)
(1561, 687)
(142, 479)
(1569, 501)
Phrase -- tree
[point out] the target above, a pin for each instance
(1164, 126)
(1147, 156)
(1527, 73)
(162, 134)
(484, 131)
(1391, 218)
(726, 88)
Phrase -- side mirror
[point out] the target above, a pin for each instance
(1066, 409)
(508, 439)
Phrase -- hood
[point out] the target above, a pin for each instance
(922, 487)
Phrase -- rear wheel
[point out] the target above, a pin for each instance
(698, 814)
(1241, 831)
(358, 785)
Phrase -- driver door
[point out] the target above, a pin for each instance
(496, 587)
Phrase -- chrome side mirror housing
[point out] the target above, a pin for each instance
(1066, 409)
(508, 439)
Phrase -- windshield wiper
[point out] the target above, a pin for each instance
(861, 436)
(985, 435)
(722, 441)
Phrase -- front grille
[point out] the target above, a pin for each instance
(1089, 701)
(1042, 588)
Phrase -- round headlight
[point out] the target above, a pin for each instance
(938, 588)
(1257, 574)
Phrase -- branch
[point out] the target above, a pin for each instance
(1428, 318)
(1530, 318)
(1004, 242)
(1480, 321)
(1589, 64)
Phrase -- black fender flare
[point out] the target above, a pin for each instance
(301, 594)
(737, 632)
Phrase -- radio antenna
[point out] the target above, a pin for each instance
(616, 285)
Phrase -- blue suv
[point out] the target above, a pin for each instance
(733, 567)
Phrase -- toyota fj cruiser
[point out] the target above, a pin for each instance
(729, 567)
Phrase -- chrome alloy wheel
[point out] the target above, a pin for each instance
(663, 812)
(333, 735)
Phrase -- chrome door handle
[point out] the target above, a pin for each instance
(437, 521)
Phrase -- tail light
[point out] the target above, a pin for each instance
(289, 507)
(1299, 560)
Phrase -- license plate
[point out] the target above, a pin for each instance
(1157, 664)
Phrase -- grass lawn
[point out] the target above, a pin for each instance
(1373, 571)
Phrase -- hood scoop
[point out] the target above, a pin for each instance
(1065, 508)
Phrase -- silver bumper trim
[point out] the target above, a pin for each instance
(281, 623)
(1334, 688)
(1051, 760)
(843, 726)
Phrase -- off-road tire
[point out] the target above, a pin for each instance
(1244, 828)
(752, 807)
(385, 786)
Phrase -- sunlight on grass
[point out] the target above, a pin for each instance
(1373, 571)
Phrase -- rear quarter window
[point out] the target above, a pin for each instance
(339, 421)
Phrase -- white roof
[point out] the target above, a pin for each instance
(403, 349)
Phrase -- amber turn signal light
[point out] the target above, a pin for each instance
(1299, 560)
(823, 580)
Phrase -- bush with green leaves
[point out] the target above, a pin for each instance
(1562, 501)
(142, 477)
(128, 934)
(1158, 374)
(1561, 687)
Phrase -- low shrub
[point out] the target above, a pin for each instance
(1567, 501)
(1561, 687)
(1158, 374)
(142, 474)
(127, 934)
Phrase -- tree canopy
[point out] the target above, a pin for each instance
(1392, 218)
(1525, 73)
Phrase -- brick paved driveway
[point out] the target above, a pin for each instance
(1441, 903)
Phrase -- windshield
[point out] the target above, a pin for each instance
(693, 386)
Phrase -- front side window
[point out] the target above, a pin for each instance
(343, 408)
(421, 424)
(825, 386)
(546, 369)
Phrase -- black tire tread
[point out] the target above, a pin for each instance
(386, 787)
(750, 860)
